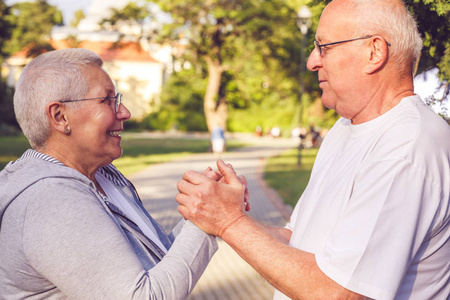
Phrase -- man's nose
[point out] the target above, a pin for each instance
(314, 61)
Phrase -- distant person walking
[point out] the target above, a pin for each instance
(218, 140)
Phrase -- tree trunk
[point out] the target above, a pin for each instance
(216, 110)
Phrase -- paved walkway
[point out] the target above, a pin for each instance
(227, 276)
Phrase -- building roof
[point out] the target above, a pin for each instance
(108, 51)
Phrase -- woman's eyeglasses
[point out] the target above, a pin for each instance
(117, 100)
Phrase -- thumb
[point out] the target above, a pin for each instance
(228, 173)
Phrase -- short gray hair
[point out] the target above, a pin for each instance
(393, 21)
(52, 76)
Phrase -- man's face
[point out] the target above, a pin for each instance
(339, 67)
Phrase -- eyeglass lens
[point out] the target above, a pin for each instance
(317, 46)
(117, 101)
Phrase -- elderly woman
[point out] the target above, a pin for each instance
(71, 225)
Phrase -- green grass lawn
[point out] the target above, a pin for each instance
(282, 173)
(11, 147)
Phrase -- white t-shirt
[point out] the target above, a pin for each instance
(376, 211)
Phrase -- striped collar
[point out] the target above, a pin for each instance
(109, 171)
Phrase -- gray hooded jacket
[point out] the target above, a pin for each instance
(59, 239)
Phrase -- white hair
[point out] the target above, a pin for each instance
(52, 76)
(392, 20)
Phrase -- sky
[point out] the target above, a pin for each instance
(69, 7)
(427, 86)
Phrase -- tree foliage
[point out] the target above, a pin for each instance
(24, 25)
(5, 28)
(6, 113)
(32, 23)
(78, 16)
(181, 104)
(134, 15)
(224, 38)
(434, 25)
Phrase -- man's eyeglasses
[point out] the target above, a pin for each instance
(319, 46)
(117, 100)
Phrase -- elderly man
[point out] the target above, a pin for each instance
(374, 221)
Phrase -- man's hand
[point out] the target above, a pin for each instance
(212, 205)
(208, 172)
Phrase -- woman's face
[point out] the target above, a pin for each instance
(95, 126)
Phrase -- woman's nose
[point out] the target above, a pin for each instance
(123, 113)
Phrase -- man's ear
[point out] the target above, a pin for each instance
(56, 114)
(378, 55)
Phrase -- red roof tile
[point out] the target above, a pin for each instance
(108, 51)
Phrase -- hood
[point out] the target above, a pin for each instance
(18, 176)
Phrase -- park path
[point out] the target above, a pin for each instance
(227, 276)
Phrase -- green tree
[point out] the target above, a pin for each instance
(5, 29)
(6, 113)
(181, 105)
(77, 17)
(32, 23)
(24, 25)
(222, 36)
(137, 15)
(433, 22)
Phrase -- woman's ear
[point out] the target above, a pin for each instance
(378, 55)
(58, 119)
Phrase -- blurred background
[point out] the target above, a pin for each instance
(194, 66)
(221, 76)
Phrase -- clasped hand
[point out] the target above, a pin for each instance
(214, 201)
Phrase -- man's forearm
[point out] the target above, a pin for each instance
(290, 270)
(281, 234)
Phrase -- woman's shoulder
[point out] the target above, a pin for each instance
(35, 176)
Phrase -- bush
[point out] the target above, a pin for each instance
(181, 105)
